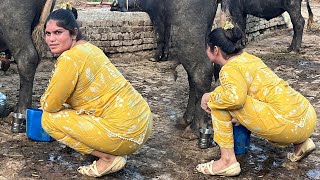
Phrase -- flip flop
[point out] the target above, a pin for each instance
(306, 148)
(233, 170)
(118, 163)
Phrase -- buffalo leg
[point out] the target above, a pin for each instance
(27, 59)
(310, 18)
(167, 34)
(159, 28)
(298, 24)
(122, 5)
(202, 80)
(188, 116)
(27, 68)
(191, 20)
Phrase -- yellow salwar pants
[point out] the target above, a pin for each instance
(261, 118)
(71, 129)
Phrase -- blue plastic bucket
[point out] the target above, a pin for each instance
(34, 128)
(241, 136)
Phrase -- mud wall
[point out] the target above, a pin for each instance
(116, 32)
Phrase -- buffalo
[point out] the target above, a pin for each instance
(20, 33)
(237, 12)
(157, 11)
(192, 21)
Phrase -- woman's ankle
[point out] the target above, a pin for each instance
(228, 161)
(108, 158)
(228, 156)
(102, 155)
(297, 147)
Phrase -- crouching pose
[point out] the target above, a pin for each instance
(106, 117)
(254, 95)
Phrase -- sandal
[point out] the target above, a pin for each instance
(306, 148)
(233, 170)
(118, 163)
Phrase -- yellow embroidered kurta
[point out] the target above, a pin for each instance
(106, 111)
(261, 101)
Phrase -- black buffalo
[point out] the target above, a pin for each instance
(157, 11)
(19, 18)
(192, 21)
(237, 11)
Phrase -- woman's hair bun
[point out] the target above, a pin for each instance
(234, 34)
(229, 38)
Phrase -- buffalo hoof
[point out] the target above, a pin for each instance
(124, 10)
(4, 64)
(114, 9)
(161, 56)
(294, 50)
(164, 57)
(188, 134)
(155, 59)
(182, 123)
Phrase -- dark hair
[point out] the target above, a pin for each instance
(229, 41)
(74, 12)
(66, 20)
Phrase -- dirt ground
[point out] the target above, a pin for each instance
(166, 155)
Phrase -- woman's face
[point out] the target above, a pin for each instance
(57, 38)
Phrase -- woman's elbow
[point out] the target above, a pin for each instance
(240, 100)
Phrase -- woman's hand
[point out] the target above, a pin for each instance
(235, 122)
(205, 99)
(66, 106)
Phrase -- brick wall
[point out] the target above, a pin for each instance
(116, 32)
(256, 27)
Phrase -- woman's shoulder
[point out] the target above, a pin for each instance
(77, 51)
(244, 58)
(86, 48)
(249, 56)
(68, 55)
(243, 61)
